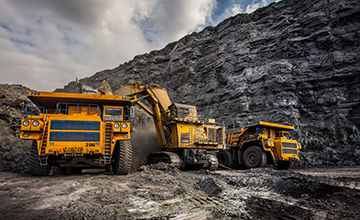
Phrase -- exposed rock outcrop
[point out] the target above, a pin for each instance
(293, 62)
(14, 152)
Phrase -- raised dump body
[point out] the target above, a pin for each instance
(260, 144)
(75, 131)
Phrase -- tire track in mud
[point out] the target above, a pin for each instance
(299, 196)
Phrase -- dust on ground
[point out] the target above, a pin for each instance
(160, 191)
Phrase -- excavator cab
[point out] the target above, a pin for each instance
(183, 112)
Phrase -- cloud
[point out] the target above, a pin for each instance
(234, 9)
(168, 20)
(256, 5)
(45, 44)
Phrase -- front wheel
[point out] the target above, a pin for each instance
(225, 158)
(35, 168)
(123, 158)
(254, 157)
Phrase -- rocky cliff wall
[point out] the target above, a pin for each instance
(293, 62)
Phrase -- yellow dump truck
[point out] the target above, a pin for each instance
(75, 131)
(260, 144)
(184, 138)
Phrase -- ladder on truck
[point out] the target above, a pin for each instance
(43, 145)
(107, 145)
(191, 127)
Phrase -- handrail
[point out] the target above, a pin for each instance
(59, 109)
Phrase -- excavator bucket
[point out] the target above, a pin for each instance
(159, 95)
(105, 88)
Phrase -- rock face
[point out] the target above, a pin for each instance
(14, 152)
(293, 62)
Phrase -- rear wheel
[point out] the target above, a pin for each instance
(254, 157)
(123, 158)
(284, 165)
(225, 158)
(35, 168)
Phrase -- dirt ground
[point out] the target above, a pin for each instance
(162, 192)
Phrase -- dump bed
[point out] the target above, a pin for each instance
(275, 126)
(261, 124)
(48, 100)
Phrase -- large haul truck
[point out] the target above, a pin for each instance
(260, 144)
(185, 140)
(74, 131)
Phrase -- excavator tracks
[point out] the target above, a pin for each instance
(166, 157)
(174, 160)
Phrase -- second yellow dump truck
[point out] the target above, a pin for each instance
(260, 144)
(75, 131)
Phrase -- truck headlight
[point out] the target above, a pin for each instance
(116, 125)
(124, 125)
(26, 123)
(35, 123)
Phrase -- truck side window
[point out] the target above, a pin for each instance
(293, 135)
(278, 134)
(287, 135)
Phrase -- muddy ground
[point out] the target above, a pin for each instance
(163, 192)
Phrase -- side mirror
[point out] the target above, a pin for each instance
(24, 103)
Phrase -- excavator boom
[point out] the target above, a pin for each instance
(157, 98)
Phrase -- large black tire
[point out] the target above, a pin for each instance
(254, 157)
(123, 158)
(35, 168)
(264, 159)
(284, 165)
(225, 158)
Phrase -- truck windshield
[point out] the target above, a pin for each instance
(282, 134)
(113, 111)
(113, 114)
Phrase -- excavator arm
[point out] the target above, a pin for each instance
(158, 100)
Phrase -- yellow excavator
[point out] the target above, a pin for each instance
(185, 140)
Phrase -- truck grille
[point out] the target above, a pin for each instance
(74, 136)
(74, 130)
(289, 145)
(75, 125)
(289, 151)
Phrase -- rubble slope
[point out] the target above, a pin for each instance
(14, 152)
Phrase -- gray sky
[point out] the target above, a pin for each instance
(45, 44)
